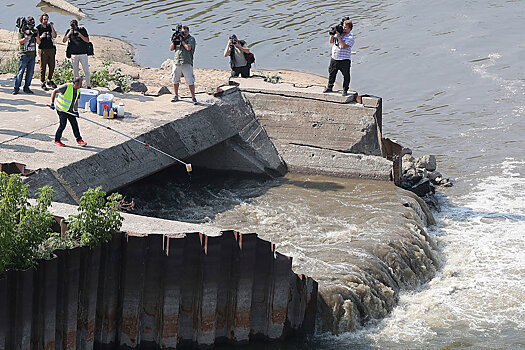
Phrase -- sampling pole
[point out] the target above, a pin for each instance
(188, 165)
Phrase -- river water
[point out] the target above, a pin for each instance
(452, 77)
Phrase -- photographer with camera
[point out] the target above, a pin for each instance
(28, 38)
(236, 49)
(342, 41)
(184, 46)
(77, 49)
(46, 50)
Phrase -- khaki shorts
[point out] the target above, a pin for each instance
(183, 69)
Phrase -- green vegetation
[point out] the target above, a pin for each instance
(274, 79)
(9, 64)
(63, 72)
(97, 220)
(25, 230)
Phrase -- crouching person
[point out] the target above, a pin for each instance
(67, 109)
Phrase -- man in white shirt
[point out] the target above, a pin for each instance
(341, 57)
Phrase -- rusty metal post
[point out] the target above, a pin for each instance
(173, 267)
(279, 294)
(153, 291)
(261, 302)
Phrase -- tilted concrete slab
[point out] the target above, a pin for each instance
(343, 135)
(111, 160)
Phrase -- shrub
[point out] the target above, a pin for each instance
(23, 228)
(63, 72)
(98, 218)
(9, 65)
(104, 75)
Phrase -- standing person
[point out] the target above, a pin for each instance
(341, 57)
(47, 51)
(78, 38)
(28, 38)
(67, 109)
(236, 49)
(184, 47)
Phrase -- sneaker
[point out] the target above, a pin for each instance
(58, 143)
(195, 101)
(16, 91)
(81, 143)
(51, 84)
(344, 93)
(327, 90)
(44, 87)
(175, 98)
(28, 91)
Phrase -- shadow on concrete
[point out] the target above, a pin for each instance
(322, 186)
(23, 149)
(33, 135)
(134, 97)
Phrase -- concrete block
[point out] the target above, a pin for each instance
(370, 101)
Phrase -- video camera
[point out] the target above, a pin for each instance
(338, 28)
(26, 25)
(177, 34)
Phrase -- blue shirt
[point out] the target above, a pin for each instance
(339, 53)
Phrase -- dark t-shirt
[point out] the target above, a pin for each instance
(46, 42)
(76, 45)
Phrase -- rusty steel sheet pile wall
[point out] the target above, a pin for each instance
(159, 291)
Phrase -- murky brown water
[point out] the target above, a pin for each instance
(453, 81)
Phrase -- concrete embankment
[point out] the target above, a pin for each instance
(156, 291)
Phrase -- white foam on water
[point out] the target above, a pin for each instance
(478, 297)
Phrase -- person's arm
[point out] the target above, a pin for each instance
(227, 49)
(53, 95)
(342, 44)
(172, 46)
(53, 32)
(67, 35)
(185, 45)
(331, 40)
(37, 37)
(84, 37)
(244, 49)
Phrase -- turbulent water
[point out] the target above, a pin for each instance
(453, 81)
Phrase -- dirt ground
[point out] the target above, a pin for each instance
(121, 54)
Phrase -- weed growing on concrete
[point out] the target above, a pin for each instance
(103, 76)
(9, 65)
(63, 72)
(97, 219)
(274, 79)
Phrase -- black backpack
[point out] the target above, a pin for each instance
(250, 58)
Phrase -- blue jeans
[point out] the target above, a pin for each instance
(27, 64)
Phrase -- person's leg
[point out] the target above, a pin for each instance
(43, 63)
(176, 73)
(75, 60)
(187, 70)
(63, 122)
(30, 70)
(85, 66)
(245, 71)
(51, 63)
(344, 66)
(74, 124)
(332, 73)
(22, 63)
(235, 72)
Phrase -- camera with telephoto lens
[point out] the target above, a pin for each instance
(177, 34)
(25, 25)
(234, 39)
(338, 28)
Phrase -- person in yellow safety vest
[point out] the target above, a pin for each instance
(67, 109)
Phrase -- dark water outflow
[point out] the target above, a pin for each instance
(452, 76)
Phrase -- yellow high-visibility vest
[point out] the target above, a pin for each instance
(67, 99)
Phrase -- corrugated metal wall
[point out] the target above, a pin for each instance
(156, 290)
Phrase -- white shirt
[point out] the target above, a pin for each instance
(339, 53)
